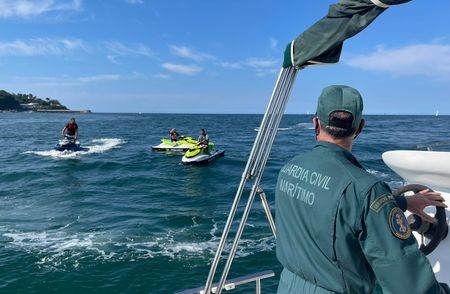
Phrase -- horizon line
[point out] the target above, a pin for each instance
(237, 113)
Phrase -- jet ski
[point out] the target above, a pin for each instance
(181, 145)
(198, 156)
(69, 144)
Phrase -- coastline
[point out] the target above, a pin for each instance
(48, 111)
(63, 110)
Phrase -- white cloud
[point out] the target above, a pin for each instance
(182, 68)
(73, 81)
(72, 43)
(112, 58)
(30, 8)
(231, 65)
(186, 52)
(96, 78)
(273, 44)
(263, 67)
(41, 81)
(119, 48)
(420, 59)
(74, 5)
(133, 2)
(262, 63)
(40, 46)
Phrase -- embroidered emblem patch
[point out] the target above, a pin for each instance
(378, 203)
(398, 224)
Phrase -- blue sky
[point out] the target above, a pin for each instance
(218, 56)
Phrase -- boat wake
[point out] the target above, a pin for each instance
(99, 146)
(386, 178)
(60, 249)
(299, 126)
(304, 126)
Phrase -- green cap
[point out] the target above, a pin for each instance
(339, 98)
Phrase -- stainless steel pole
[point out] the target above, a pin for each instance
(272, 130)
(266, 208)
(279, 115)
(245, 176)
(270, 124)
(258, 287)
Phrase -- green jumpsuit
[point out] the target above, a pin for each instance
(339, 229)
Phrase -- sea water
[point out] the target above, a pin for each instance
(121, 218)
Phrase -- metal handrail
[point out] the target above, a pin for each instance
(284, 95)
(233, 283)
(266, 208)
(253, 171)
(245, 176)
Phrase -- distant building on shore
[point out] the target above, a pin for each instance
(64, 110)
(30, 106)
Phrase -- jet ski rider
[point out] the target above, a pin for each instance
(203, 140)
(70, 130)
(174, 136)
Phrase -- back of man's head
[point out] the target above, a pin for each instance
(339, 110)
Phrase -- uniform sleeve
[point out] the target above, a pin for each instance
(401, 202)
(391, 249)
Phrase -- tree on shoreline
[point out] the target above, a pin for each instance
(16, 102)
(8, 102)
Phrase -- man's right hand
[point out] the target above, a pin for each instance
(417, 203)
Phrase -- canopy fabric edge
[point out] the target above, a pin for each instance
(322, 42)
(380, 4)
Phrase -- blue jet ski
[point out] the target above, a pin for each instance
(69, 144)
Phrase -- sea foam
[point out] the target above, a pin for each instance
(99, 146)
(61, 249)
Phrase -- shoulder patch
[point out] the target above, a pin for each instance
(378, 203)
(398, 224)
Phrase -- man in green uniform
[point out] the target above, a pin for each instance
(339, 229)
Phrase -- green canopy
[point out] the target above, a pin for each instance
(322, 42)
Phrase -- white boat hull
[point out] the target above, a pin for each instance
(432, 169)
(167, 147)
(203, 158)
(429, 168)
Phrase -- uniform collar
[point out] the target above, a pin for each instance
(339, 151)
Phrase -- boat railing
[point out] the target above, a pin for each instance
(233, 283)
(252, 174)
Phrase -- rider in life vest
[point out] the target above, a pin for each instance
(203, 140)
(174, 136)
(70, 130)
